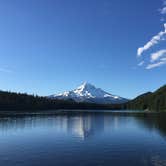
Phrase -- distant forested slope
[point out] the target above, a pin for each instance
(152, 101)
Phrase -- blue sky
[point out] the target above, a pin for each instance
(48, 46)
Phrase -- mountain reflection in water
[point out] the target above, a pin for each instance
(83, 125)
(83, 139)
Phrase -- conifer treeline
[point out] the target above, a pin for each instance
(18, 101)
(155, 101)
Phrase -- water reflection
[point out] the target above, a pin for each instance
(80, 125)
(153, 123)
(83, 139)
(83, 126)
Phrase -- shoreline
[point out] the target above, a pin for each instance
(79, 112)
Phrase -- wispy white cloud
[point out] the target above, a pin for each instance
(163, 59)
(5, 70)
(157, 59)
(155, 56)
(154, 65)
(163, 10)
(141, 63)
(155, 40)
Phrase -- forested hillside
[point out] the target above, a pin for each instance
(152, 101)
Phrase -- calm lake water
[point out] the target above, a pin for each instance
(83, 139)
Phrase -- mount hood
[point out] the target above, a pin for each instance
(89, 93)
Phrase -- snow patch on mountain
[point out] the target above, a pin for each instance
(89, 93)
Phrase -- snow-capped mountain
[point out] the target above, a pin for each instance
(89, 93)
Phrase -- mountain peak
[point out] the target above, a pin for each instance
(87, 92)
(85, 85)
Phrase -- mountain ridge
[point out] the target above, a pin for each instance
(150, 101)
(87, 92)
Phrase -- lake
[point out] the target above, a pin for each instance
(83, 139)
